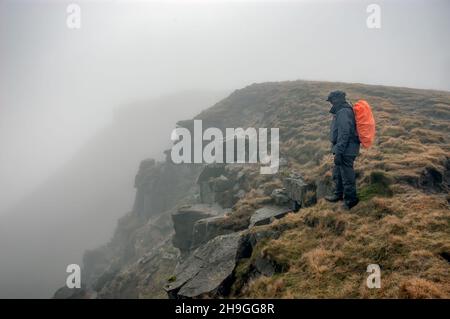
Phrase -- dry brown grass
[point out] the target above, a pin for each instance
(404, 230)
(404, 235)
(417, 288)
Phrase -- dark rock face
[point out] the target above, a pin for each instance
(160, 185)
(280, 197)
(206, 271)
(206, 229)
(267, 214)
(210, 172)
(184, 220)
(218, 190)
(221, 184)
(209, 249)
(300, 191)
(143, 278)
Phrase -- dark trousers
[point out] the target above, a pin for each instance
(344, 179)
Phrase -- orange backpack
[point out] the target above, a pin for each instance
(365, 123)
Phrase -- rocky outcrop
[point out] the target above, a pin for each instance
(160, 185)
(221, 184)
(303, 193)
(207, 270)
(143, 278)
(208, 228)
(113, 270)
(267, 214)
(216, 215)
(210, 271)
(210, 172)
(280, 197)
(184, 220)
(210, 249)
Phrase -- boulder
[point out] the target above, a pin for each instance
(212, 182)
(267, 214)
(279, 196)
(184, 220)
(300, 191)
(207, 228)
(207, 270)
(219, 184)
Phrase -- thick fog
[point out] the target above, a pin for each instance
(79, 108)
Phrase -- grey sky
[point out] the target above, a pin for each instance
(58, 86)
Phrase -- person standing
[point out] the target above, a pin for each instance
(345, 147)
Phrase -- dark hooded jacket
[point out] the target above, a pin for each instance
(343, 134)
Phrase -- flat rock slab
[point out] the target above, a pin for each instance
(205, 270)
(300, 191)
(201, 209)
(207, 228)
(267, 214)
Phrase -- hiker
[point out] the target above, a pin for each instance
(345, 147)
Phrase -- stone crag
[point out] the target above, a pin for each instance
(205, 231)
(211, 252)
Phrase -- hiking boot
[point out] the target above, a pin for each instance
(333, 198)
(349, 204)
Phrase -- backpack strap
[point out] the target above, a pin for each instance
(356, 139)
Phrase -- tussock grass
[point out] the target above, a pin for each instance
(403, 220)
(396, 233)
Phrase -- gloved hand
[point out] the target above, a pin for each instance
(338, 159)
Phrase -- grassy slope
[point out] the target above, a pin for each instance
(403, 221)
